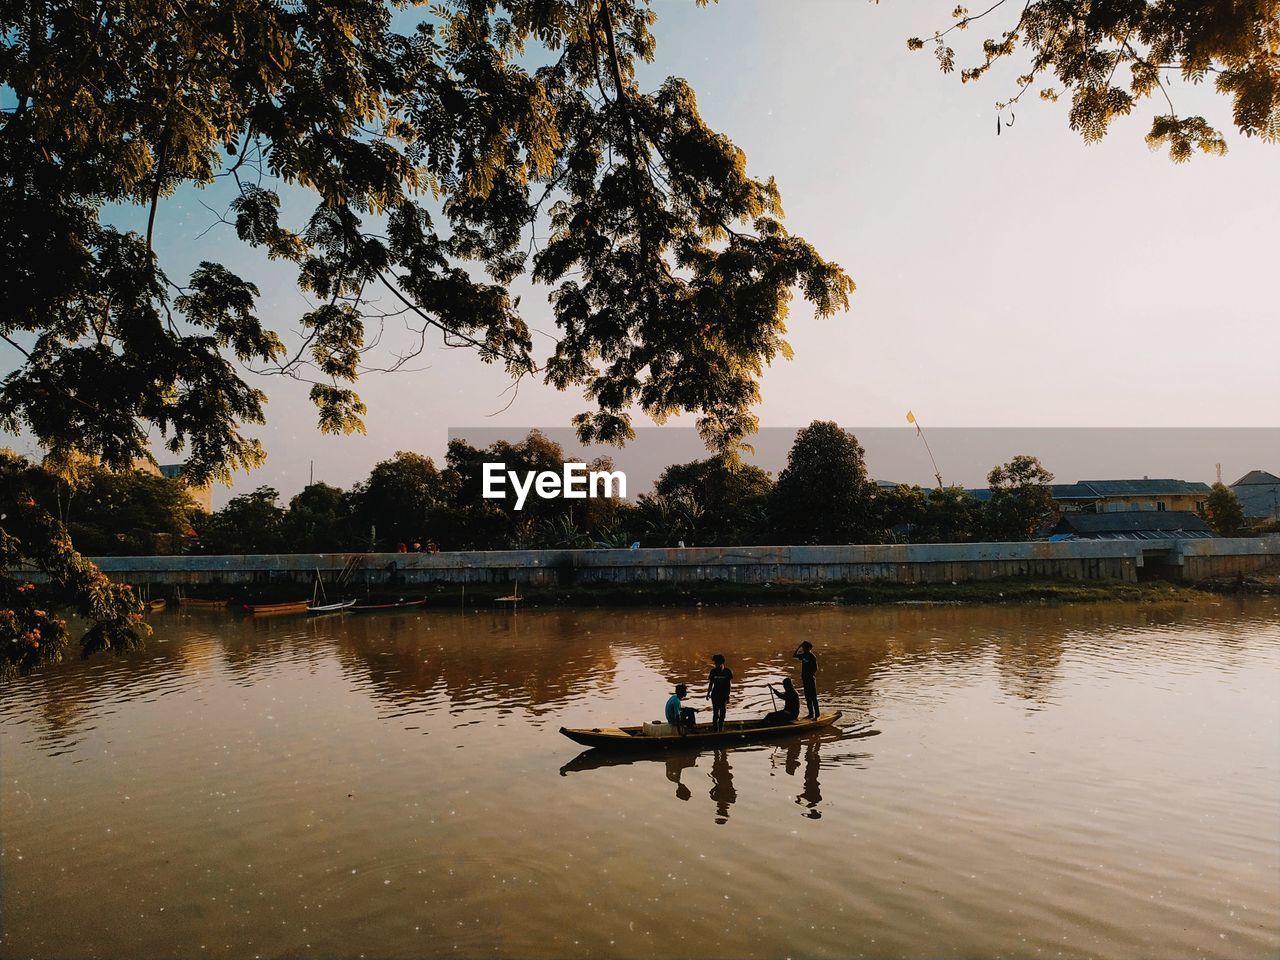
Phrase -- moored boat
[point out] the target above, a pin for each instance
(661, 736)
(389, 605)
(156, 605)
(270, 609)
(331, 607)
(201, 604)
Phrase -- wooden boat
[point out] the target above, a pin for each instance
(271, 609)
(200, 604)
(735, 731)
(156, 605)
(390, 605)
(331, 607)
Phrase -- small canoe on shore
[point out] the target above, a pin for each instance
(389, 605)
(271, 609)
(735, 731)
(331, 607)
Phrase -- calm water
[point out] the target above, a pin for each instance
(1096, 781)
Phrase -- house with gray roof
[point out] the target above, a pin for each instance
(1259, 495)
(1131, 525)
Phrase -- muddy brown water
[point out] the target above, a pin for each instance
(1075, 781)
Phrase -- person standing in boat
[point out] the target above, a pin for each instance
(808, 676)
(718, 683)
(678, 715)
(790, 711)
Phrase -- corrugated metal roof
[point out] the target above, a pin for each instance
(1135, 525)
(1121, 488)
(1256, 476)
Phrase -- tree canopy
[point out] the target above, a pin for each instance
(1106, 57)
(448, 153)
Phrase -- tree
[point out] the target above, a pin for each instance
(945, 515)
(1223, 511)
(132, 513)
(31, 633)
(1021, 499)
(1109, 56)
(319, 520)
(252, 523)
(732, 499)
(823, 494)
(400, 500)
(951, 515)
(668, 266)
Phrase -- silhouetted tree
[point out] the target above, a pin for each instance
(1108, 56)
(1223, 511)
(732, 499)
(823, 494)
(1021, 499)
(250, 523)
(320, 519)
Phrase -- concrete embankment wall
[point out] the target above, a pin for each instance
(903, 563)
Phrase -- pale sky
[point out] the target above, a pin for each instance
(1028, 279)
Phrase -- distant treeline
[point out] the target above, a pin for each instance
(823, 495)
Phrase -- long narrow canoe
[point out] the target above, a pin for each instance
(391, 605)
(269, 609)
(331, 607)
(735, 731)
(199, 603)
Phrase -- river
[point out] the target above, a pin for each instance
(1066, 781)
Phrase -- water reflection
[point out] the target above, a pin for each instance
(797, 753)
(549, 666)
(393, 784)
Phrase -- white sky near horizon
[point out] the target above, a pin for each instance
(1026, 279)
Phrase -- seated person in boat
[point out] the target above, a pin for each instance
(678, 715)
(790, 704)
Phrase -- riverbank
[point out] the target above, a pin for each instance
(703, 594)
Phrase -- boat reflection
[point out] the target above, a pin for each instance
(723, 792)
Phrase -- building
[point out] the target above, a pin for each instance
(1131, 525)
(1123, 496)
(1259, 495)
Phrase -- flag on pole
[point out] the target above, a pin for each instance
(911, 418)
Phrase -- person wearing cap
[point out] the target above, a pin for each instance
(808, 676)
(718, 683)
(678, 715)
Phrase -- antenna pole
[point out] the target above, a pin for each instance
(912, 418)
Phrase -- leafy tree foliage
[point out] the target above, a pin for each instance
(1224, 513)
(485, 523)
(427, 148)
(399, 500)
(1108, 56)
(131, 513)
(319, 520)
(911, 515)
(250, 523)
(731, 500)
(1021, 499)
(823, 494)
(31, 633)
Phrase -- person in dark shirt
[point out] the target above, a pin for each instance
(808, 676)
(790, 703)
(718, 682)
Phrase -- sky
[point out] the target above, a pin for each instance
(1021, 280)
